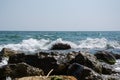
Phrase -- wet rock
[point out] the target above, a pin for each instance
(60, 46)
(57, 61)
(117, 56)
(20, 70)
(46, 63)
(107, 69)
(82, 73)
(88, 60)
(6, 52)
(17, 58)
(42, 60)
(0, 59)
(105, 57)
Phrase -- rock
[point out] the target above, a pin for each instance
(17, 58)
(60, 46)
(105, 57)
(46, 63)
(111, 77)
(117, 56)
(82, 73)
(20, 70)
(6, 52)
(0, 59)
(47, 78)
(88, 60)
(43, 60)
(107, 69)
(57, 61)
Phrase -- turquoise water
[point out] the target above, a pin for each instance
(38, 40)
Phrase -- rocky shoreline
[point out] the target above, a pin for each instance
(81, 65)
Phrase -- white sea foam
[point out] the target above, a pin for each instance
(73, 45)
(98, 43)
(30, 45)
(33, 45)
(117, 65)
(3, 62)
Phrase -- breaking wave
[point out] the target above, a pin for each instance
(34, 45)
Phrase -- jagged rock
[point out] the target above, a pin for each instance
(48, 78)
(107, 69)
(117, 56)
(43, 60)
(7, 52)
(57, 61)
(88, 60)
(60, 46)
(17, 58)
(46, 63)
(19, 70)
(83, 73)
(105, 57)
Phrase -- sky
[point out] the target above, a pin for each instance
(60, 15)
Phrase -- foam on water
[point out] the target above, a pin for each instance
(3, 62)
(33, 45)
(117, 66)
(98, 43)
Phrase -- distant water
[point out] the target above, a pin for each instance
(33, 41)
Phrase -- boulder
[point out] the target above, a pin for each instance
(43, 60)
(105, 56)
(107, 69)
(88, 60)
(6, 52)
(82, 72)
(57, 61)
(117, 56)
(46, 63)
(17, 58)
(60, 46)
(19, 70)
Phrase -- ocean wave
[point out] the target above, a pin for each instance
(117, 66)
(98, 43)
(33, 45)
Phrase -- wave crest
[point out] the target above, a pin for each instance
(33, 45)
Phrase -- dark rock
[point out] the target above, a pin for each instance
(46, 63)
(17, 58)
(107, 69)
(105, 57)
(0, 59)
(19, 70)
(117, 56)
(39, 61)
(57, 61)
(7, 52)
(109, 46)
(60, 46)
(83, 73)
(88, 60)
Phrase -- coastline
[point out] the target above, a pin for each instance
(62, 63)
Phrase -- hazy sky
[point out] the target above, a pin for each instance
(79, 15)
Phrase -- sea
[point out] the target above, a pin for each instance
(35, 41)
(31, 42)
